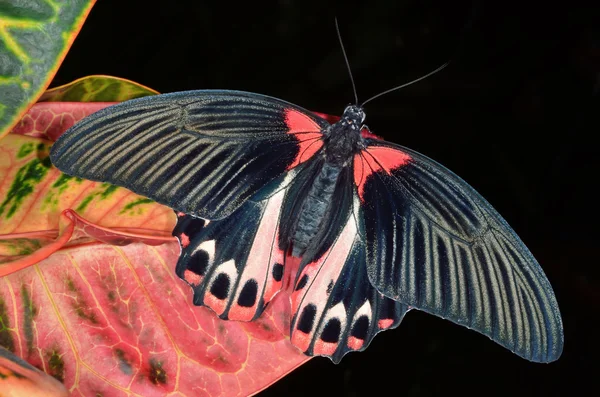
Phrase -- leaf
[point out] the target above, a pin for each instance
(34, 194)
(97, 89)
(108, 320)
(49, 120)
(34, 39)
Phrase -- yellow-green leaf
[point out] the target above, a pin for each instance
(97, 89)
(34, 194)
(35, 36)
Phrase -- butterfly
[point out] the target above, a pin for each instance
(375, 229)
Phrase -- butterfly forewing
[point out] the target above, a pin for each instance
(203, 153)
(435, 244)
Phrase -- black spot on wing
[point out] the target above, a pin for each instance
(302, 283)
(360, 328)
(277, 272)
(248, 295)
(198, 262)
(330, 287)
(220, 287)
(331, 332)
(307, 319)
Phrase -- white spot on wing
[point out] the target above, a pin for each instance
(209, 248)
(339, 312)
(364, 310)
(227, 268)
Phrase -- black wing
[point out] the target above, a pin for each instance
(435, 244)
(203, 153)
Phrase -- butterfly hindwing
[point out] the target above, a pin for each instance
(435, 244)
(234, 265)
(335, 308)
(203, 153)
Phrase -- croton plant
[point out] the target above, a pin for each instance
(89, 300)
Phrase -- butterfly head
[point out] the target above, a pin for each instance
(343, 139)
(353, 117)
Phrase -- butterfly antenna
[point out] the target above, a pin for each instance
(337, 28)
(406, 84)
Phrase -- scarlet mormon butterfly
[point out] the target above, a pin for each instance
(379, 228)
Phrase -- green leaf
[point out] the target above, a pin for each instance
(35, 36)
(97, 89)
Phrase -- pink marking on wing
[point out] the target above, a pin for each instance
(273, 286)
(385, 323)
(355, 343)
(325, 348)
(185, 240)
(192, 278)
(299, 122)
(320, 273)
(259, 265)
(241, 313)
(330, 118)
(306, 131)
(216, 304)
(300, 340)
(292, 264)
(375, 159)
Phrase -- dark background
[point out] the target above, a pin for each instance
(514, 114)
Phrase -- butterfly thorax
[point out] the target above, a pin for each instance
(343, 139)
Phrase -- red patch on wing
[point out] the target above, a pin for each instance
(324, 348)
(306, 131)
(355, 343)
(263, 252)
(385, 323)
(192, 278)
(216, 304)
(318, 275)
(242, 313)
(374, 159)
(185, 240)
(366, 133)
(300, 340)
(330, 119)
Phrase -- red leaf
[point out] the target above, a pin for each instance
(111, 320)
(48, 120)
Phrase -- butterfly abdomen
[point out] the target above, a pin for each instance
(318, 201)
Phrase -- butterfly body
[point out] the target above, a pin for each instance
(341, 141)
(379, 228)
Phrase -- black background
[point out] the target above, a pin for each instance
(514, 114)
